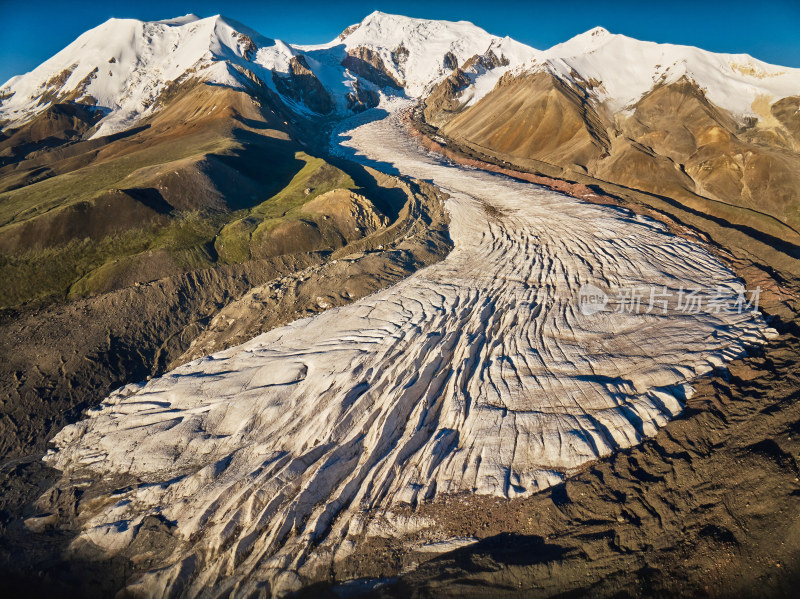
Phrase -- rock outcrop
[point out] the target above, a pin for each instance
(303, 86)
(368, 64)
(448, 98)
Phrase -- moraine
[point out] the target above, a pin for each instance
(477, 374)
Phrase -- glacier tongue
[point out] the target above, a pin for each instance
(477, 374)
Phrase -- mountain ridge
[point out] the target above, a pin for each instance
(415, 54)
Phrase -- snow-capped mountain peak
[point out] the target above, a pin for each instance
(627, 68)
(597, 32)
(123, 65)
(417, 52)
(588, 41)
(187, 18)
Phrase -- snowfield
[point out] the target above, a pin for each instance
(620, 70)
(477, 374)
(123, 66)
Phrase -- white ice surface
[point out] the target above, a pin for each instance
(478, 374)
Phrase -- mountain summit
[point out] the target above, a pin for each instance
(125, 67)
(626, 69)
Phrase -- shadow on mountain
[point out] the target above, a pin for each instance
(339, 138)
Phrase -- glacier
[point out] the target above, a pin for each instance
(478, 374)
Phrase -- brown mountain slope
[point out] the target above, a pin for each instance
(734, 165)
(444, 102)
(536, 116)
(197, 120)
(674, 143)
(58, 124)
(216, 176)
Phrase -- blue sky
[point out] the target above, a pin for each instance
(32, 31)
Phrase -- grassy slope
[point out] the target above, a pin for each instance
(234, 243)
(191, 240)
(247, 158)
(87, 183)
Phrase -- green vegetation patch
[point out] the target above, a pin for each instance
(89, 182)
(189, 240)
(86, 266)
(234, 243)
